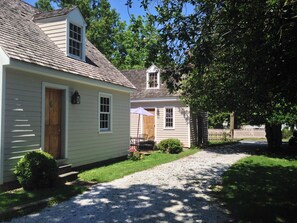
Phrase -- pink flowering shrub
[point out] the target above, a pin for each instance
(134, 154)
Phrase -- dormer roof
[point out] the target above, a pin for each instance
(54, 13)
(139, 80)
(23, 40)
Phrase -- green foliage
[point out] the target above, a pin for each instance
(293, 139)
(36, 170)
(286, 133)
(216, 120)
(261, 189)
(139, 45)
(173, 146)
(44, 5)
(234, 56)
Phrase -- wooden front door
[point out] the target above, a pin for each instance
(149, 125)
(53, 117)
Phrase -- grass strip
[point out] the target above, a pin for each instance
(121, 169)
(10, 199)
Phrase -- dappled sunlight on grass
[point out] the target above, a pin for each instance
(261, 189)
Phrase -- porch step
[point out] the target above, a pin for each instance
(68, 177)
(65, 173)
(64, 169)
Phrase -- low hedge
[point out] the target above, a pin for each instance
(173, 146)
(36, 170)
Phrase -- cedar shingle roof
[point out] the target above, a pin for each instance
(23, 40)
(138, 79)
(54, 13)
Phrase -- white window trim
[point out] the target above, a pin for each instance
(173, 111)
(102, 94)
(147, 80)
(83, 42)
(64, 113)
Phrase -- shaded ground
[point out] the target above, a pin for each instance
(262, 188)
(174, 192)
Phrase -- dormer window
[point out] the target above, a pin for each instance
(153, 78)
(66, 28)
(75, 40)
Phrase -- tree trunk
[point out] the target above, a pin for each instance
(273, 135)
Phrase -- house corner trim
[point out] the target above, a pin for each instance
(4, 60)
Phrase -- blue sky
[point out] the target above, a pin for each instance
(120, 7)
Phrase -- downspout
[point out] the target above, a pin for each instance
(4, 60)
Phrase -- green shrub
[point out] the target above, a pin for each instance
(36, 170)
(172, 146)
(286, 133)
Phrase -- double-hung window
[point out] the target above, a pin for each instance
(105, 108)
(153, 80)
(169, 118)
(75, 40)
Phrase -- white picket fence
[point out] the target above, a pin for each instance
(219, 134)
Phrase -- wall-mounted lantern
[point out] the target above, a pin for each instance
(158, 112)
(75, 98)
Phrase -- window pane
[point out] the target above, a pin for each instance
(169, 117)
(104, 114)
(153, 80)
(75, 44)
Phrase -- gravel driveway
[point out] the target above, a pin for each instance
(172, 192)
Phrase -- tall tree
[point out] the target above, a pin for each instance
(234, 56)
(139, 45)
(44, 5)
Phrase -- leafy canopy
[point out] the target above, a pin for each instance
(230, 55)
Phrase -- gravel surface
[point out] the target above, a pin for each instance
(172, 192)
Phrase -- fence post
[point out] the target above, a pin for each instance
(232, 125)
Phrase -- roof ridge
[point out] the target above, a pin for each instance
(53, 13)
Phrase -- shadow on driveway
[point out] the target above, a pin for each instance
(189, 200)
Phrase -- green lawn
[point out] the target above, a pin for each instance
(121, 169)
(9, 199)
(261, 189)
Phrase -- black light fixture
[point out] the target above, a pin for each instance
(75, 98)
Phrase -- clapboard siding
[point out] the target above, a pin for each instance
(134, 125)
(56, 31)
(85, 143)
(181, 113)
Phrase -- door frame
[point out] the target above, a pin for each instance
(64, 124)
(155, 120)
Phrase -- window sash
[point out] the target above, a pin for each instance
(104, 113)
(75, 40)
(153, 80)
(169, 116)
